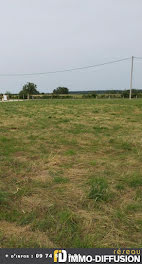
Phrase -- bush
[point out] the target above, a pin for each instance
(89, 95)
(135, 93)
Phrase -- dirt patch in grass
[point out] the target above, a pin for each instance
(33, 202)
(43, 176)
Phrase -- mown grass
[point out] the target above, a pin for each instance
(71, 173)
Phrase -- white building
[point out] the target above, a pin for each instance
(4, 98)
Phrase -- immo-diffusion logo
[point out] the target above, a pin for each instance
(61, 256)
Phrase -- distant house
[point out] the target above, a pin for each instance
(4, 98)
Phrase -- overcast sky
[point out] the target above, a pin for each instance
(50, 35)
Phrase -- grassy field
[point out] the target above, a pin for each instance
(71, 173)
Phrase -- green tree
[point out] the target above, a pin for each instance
(61, 90)
(28, 89)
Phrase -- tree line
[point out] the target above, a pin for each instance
(30, 89)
